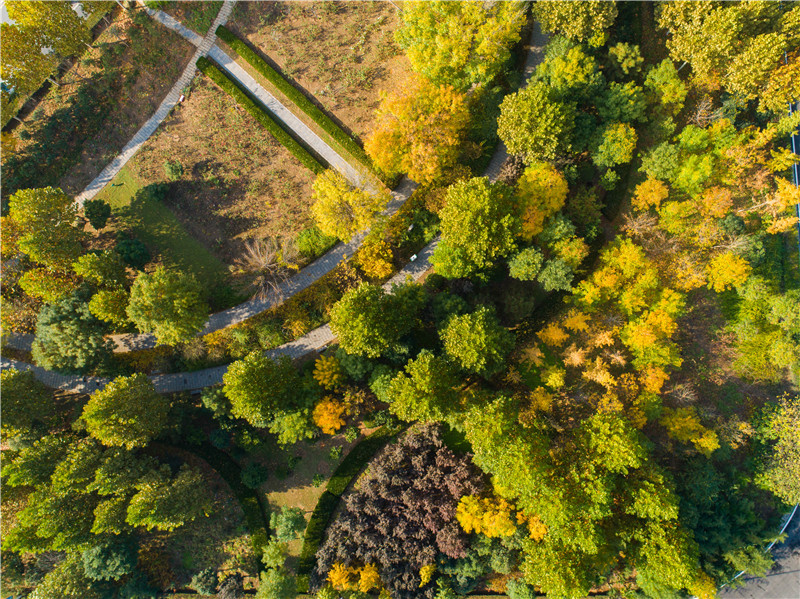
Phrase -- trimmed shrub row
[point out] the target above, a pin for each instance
(290, 91)
(344, 474)
(260, 113)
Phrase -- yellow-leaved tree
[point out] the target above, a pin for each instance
(341, 210)
(419, 130)
(328, 415)
(727, 270)
(490, 516)
(541, 192)
(327, 372)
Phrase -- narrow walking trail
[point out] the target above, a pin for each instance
(169, 102)
(312, 341)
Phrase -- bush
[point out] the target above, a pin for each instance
(288, 523)
(173, 169)
(318, 480)
(312, 243)
(133, 252)
(204, 582)
(109, 561)
(260, 114)
(254, 474)
(97, 213)
(295, 95)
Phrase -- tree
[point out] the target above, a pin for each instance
(489, 516)
(166, 504)
(526, 264)
(479, 225)
(128, 412)
(401, 515)
(276, 584)
(614, 145)
(54, 25)
(133, 252)
(622, 102)
(328, 415)
(23, 70)
(627, 58)
(105, 269)
(46, 218)
(327, 372)
(665, 84)
(110, 305)
(419, 130)
(370, 322)
(26, 402)
(727, 270)
(258, 387)
(579, 21)
(534, 124)
(477, 342)
(48, 285)
(779, 470)
(541, 192)
(69, 338)
(97, 213)
(459, 43)
(68, 581)
(426, 391)
(168, 304)
(288, 523)
(341, 210)
(110, 560)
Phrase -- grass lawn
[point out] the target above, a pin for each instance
(156, 225)
(236, 183)
(197, 16)
(341, 54)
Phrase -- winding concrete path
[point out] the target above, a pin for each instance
(312, 341)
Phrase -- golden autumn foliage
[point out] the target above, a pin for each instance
(327, 372)
(684, 425)
(575, 321)
(419, 130)
(727, 270)
(541, 192)
(653, 378)
(341, 210)
(426, 573)
(328, 414)
(368, 578)
(716, 201)
(650, 194)
(341, 577)
(375, 259)
(487, 516)
(553, 335)
(536, 528)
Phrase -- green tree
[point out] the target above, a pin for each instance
(426, 391)
(479, 225)
(292, 426)
(26, 402)
(623, 102)
(534, 124)
(109, 560)
(477, 342)
(259, 388)
(276, 584)
(69, 338)
(526, 264)
(22, 70)
(626, 58)
(168, 304)
(664, 83)
(110, 305)
(556, 275)
(579, 21)
(104, 268)
(460, 43)
(46, 218)
(779, 471)
(69, 581)
(128, 412)
(340, 210)
(615, 145)
(288, 523)
(166, 504)
(370, 322)
(97, 213)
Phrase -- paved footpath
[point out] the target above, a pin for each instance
(312, 341)
(169, 102)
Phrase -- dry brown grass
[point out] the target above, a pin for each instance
(340, 53)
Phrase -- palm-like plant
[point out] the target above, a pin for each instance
(266, 265)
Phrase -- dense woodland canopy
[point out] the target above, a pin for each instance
(594, 389)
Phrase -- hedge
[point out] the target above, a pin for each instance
(295, 95)
(329, 500)
(260, 113)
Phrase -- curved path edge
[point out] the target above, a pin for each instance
(312, 341)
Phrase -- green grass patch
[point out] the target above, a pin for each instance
(295, 95)
(157, 226)
(200, 16)
(260, 113)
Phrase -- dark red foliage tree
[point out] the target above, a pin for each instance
(403, 514)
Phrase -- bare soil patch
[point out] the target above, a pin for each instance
(341, 54)
(237, 181)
